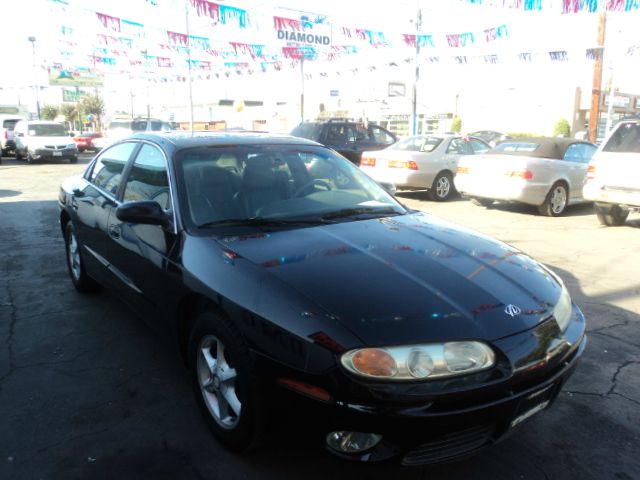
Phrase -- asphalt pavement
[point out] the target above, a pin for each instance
(88, 391)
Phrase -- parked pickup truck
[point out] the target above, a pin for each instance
(613, 176)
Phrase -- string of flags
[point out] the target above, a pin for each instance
(563, 6)
(123, 45)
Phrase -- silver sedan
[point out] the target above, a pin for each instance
(546, 172)
(422, 162)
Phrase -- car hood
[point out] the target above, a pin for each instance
(408, 279)
(35, 142)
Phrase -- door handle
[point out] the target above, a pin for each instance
(114, 231)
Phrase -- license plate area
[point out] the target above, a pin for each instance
(531, 404)
(57, 154)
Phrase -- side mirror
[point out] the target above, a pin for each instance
(390, 188)
(71, 134)
(146, 212)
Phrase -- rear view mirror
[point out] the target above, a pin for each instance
(146, 212)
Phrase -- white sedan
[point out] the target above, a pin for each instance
(545, 172)
(422, 162)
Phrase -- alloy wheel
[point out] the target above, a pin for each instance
(217, 380)
(73, 257)
(558, 199)
(443, 186)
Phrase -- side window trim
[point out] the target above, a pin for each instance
(89, 172)
(129, 167)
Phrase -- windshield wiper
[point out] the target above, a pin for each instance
(350, 212)
(265, 222)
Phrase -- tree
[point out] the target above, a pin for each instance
(456, 125)
(49, 112)
(92, 105)
(562, 128)
(70, 113)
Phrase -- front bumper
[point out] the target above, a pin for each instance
(40, 153)
(429, 422)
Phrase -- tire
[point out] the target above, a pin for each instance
(18, 155)
(611, 215)
(237, 421)
(556, 201)
(482, 202)
(442, 188)
(29, 157)
(79, 277)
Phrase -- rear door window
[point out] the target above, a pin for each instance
(478, 146)
(9, 124)
(579, 153)
(626, 139)
(381, 136)
(308, 130)
(107, 171)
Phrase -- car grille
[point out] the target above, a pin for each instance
(56, 147)
(450, 446)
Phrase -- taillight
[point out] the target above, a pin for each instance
(6, 134)
(523, 174)
(368, 162)
(411, 165)
(462, 170)
(591, 172)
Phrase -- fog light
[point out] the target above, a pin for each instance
(352, 442)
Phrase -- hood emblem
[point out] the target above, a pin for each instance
(512, 310)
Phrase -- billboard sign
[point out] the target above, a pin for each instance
(79, 77)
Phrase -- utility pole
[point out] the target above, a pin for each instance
(414, 122)
(596, 92)
(302, 89)
(35, 76)
(186, 15)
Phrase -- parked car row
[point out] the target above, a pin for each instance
(547, 172)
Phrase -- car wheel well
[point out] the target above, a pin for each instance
(189, 308)
(64, 219)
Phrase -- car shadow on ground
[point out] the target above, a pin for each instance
(580, 210)
(423, 195)
(9, 193)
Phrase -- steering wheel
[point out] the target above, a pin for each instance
(315, 181)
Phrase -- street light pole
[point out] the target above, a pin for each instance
(414, 122)
(35, 77)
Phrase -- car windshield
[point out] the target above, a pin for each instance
(48, 130)
(258, 184)
(419, 143)
(308, 130)
(626, 139)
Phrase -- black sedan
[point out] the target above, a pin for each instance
(280, 271)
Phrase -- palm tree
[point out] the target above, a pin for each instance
(93, 105)
(49, 112)
(70, 112)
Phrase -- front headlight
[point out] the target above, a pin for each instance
(562, 310)
(420, 362)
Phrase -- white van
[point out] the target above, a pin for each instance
(7, 124)
(43, 140)
(613, 177)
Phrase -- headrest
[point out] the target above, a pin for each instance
(259, 175)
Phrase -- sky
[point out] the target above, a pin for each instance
(442, 83)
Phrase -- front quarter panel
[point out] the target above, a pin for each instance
(276, 320)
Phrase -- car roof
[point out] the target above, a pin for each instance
(43, 122)
(200, 139)
(548, 147)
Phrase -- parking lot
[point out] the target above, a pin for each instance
(87, 391)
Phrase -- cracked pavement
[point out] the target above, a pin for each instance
(87, 391)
